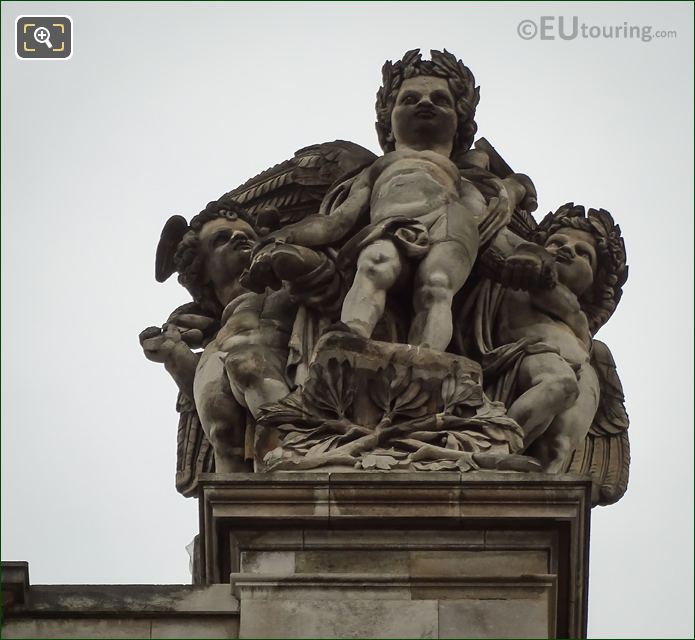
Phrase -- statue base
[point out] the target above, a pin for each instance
(399, 554)
(371, 405)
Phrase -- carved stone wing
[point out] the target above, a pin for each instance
(172, 233)
(297, 186)
(523, 224)
(194, 454)
(605, 454)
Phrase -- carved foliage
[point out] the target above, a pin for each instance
(318, 425)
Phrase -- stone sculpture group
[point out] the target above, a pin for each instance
(401, 312)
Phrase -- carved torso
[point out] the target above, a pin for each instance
(413, 184)
(520, 318)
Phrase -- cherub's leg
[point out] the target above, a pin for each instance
(567, 431)
(439, 277)
(255, 375)
(223, 420)
(291, 261)
(378, 267)
(549, 387)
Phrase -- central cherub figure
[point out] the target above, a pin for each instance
(420, 208)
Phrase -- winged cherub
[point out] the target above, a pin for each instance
(557, 387)
(243, 365)
(420, 207)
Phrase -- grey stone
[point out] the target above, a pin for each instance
(322, 586)
(257, 540)
(375, 539)
(478, 563)
(76, 628)
(120, 611)
(15, 583)
(353, 561)
(486, 587)
(495, 618)
(338, 619)
(275, 562)
(127, 599)
(208, 627)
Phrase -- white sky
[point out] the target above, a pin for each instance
(164, 107)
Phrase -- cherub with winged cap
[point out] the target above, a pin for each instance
(242, 365)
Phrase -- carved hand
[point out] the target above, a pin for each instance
(161, 345)
(192, 327)
(260, 273)
(524, 191)
(530, 267)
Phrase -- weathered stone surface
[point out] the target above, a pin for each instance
(76, 628)
(523, 618)
(275, 562)
(350, 560)
(133, 598)
(500, 538)
(15, 583)
(375, 539)
(508, 587)
(490, 604)
(321, 586)
(478, 563)
(339, 619)
(121, 611)
(201, 627)
(197, 628)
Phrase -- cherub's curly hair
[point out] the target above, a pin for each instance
(188, 260)
(600, 301)
(443, 65)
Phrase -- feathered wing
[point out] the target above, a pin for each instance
(172, 233)
(523, 224)
(194, 454)
(297, 186)
(605, 454)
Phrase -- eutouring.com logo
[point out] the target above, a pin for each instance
(563, 28)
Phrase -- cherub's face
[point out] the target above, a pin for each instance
(226, 245)
(424, 114)
(575, 255)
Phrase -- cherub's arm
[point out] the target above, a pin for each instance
(167, 347)
(563, 304)
(321, 230)
(506, 242)
(518, 264)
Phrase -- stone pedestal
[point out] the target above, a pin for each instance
(431, 555)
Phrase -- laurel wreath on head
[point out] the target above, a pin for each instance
(612, 269)
(442, 65)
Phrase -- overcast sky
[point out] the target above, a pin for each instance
(164, 107)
